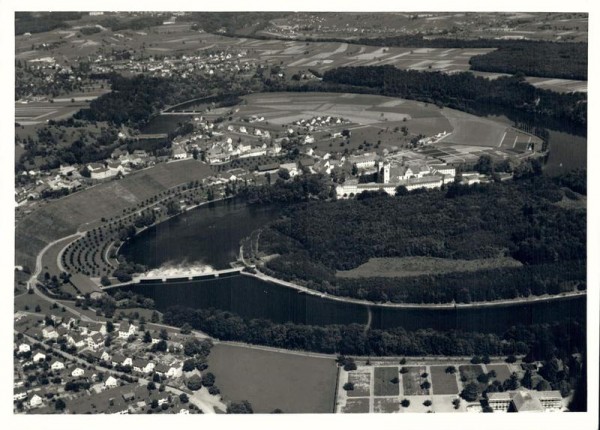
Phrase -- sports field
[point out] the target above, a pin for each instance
(271, 380)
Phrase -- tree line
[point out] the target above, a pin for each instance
(542, 341)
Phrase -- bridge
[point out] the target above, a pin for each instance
(140, 280)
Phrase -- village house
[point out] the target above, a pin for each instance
(76, 340)
(49, 332)
(57, 365)
(35, 401)
(179, 153)
(95, 341)
(291, 168)
(126, 329)
(89, 328)
(105, 356)
(142, 366)
(110, 382)
(24, 348)
(78, 372)
(39, 357)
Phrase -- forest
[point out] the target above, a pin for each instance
(134, 101)
(549, 60)
(38, 22)
(519, 220)
(539, 342)
(466, 92)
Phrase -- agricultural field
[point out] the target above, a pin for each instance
(442, 382)
(415, 266)
(64, 216)
(270, 380)
(383, 377)
(412, 381)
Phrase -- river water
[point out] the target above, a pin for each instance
(211, 235)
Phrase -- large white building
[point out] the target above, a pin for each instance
(525, 401)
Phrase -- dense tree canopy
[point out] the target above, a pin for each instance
(544, 340)
(520, 220)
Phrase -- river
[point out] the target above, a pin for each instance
(211, 235)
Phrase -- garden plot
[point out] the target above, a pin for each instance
(386, 405)
(362, 383)
(502, 371)
(442, 382)
(384, 385)
(360, 406)
(412, 381)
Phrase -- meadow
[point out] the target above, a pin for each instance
(271, 380)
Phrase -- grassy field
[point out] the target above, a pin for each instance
(412, 380)
(64, 216)
(270, 380)
(415, 266)
(383, 381)
(442, 382)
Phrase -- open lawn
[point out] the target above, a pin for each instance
(270, 380)
(415, 266)
(63, 217)
(383, 381)
(412, 381)
(442, 382)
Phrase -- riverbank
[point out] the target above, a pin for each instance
(344, 299)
